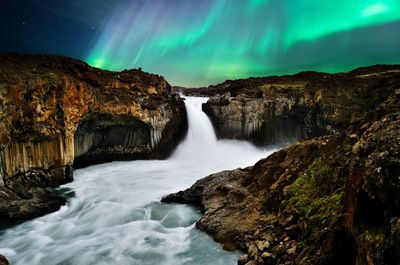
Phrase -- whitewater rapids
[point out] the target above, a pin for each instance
(113, 214)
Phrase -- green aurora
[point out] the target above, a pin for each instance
(197, 43)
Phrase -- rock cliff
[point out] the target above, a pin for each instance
(57, 113)
(285, 108)
(327, 200)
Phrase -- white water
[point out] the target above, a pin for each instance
(113, 215)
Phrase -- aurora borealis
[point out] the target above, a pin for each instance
(197, 43)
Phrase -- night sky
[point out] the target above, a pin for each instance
(200, 42)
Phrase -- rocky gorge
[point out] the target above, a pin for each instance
(332, 198)
(277, 108)
(57, 114)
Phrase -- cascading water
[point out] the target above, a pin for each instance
(113, 215)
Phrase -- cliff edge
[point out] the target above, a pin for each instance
(57, 113)
(280, 109)
(328, 200)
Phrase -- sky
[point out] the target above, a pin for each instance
(202, 42)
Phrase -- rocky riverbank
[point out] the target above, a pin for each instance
(328, 200)
(57, 114)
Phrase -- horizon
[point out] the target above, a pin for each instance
(350, 69)
(209, 41)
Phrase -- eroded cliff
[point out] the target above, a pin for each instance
(327, 200)
(56, 112)
(285, 108)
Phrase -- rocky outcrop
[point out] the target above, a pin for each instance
(328, 200)
(282, 109)
(263, 122)
(57, 113)
(3, 260)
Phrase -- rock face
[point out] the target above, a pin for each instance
(3, 260)
(56, 113)
(280, 109)
(327, 200)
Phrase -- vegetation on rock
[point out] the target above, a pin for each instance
(326, 200)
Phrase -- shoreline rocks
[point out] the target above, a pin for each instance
(57, 114)
(3, 260)
(331, 199)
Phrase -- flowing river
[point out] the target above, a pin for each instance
(113, 214)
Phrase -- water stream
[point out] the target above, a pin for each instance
(113, 214)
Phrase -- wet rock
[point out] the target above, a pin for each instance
(327, 200)
(57, 113)
(28, 203)
(245, 118)
(3, 260)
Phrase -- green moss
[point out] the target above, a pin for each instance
(318, 192)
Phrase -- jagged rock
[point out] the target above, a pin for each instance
(253, 251)
(3, 260)
(262, 245)
(56, 113)
(291, 251)
(253, 119)
(267, 258)
(326, 200)
(243, 259)
(274, 109)
(266, 255)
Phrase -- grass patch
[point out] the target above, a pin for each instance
(318, 192)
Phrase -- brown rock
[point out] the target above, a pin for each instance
(56, 113)
(243, 259)
(253, 251)
(3, 260)
(343, 194)
(292, 250)
(262, 245)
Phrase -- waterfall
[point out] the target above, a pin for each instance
(114, 216)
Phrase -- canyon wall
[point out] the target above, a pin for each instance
(278, 109)
(57, 113)
(262, 121)
(332, 199)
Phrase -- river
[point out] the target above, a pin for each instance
(113, 214)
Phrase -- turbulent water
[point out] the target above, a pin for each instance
(113, 215)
